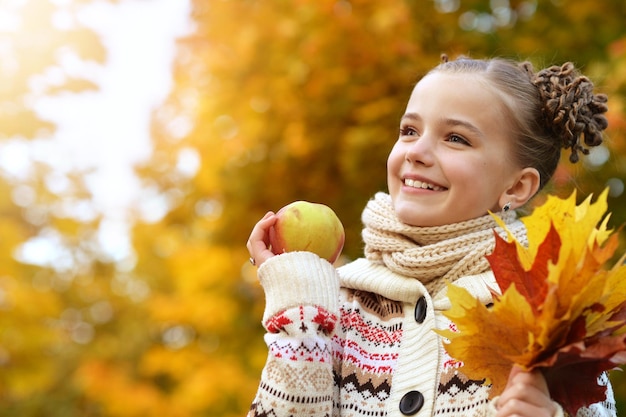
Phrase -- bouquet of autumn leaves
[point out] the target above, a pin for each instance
(559, 309)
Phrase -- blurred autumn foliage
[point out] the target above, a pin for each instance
(272, 102)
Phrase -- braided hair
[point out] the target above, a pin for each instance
(549, 110)
(571, 110)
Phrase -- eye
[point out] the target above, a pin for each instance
(408, 131)
(454, 138)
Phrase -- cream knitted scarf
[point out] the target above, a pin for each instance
(434, 255)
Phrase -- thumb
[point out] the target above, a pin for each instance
(515, 370)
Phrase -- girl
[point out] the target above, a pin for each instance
(476, 136)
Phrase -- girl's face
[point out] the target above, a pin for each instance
(452, 161)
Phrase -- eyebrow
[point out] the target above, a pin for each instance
(447, 122)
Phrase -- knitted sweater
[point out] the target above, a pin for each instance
(358, 341)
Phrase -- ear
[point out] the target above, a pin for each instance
(524, 187)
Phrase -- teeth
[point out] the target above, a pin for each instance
(424, 185)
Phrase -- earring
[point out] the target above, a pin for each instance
(506, 207)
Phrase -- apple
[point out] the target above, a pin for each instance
(306, 226)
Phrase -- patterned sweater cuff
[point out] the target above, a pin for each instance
(298, 278)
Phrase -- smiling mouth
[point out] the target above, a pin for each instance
(422, 185)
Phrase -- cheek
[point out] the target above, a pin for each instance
(393, 170)
(394, 165)
(462, 171)
(472, 170)
(395, 158)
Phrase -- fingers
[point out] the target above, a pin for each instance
(526, 394)
(259, 240)
(518, 378)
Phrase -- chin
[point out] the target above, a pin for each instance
(409, 217)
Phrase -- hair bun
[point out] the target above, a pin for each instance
(571, 110)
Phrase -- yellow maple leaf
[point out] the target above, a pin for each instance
(560, 310)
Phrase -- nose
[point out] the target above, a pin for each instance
(420, 151)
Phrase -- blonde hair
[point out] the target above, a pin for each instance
(552, 109)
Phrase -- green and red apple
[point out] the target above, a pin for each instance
(306, 226)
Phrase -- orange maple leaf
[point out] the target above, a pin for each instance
(559, 310)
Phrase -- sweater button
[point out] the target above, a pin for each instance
(420, 310)
(411, 403)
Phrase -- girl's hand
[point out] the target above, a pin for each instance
(259, 240)
(526, 395)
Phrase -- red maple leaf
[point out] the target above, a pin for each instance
(531, 284)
